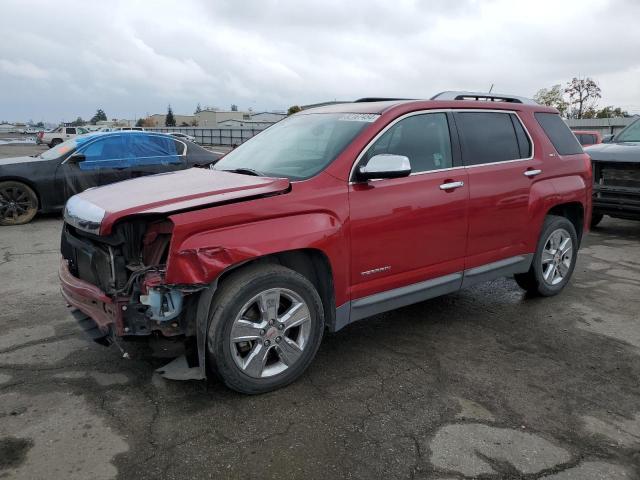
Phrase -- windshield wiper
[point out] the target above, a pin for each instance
(245, 171)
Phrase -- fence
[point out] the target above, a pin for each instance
(213, 136)
(603, 125)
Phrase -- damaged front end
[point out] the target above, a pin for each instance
(115, 285)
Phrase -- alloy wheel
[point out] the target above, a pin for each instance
(270, 333)
(16, 203)
(557, 256)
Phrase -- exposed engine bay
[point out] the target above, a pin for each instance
(129, 266)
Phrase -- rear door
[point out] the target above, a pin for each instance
(151, 154)
(501, 166)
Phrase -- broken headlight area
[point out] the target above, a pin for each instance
(117, 282)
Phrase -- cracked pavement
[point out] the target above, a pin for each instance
(485, 383)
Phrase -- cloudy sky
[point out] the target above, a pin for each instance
(60, 59)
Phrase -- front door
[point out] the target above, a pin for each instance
(405, 231)
(104, 162)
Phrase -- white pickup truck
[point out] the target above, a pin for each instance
(59, 135)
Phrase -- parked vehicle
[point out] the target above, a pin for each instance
(184, 136)
(44, 183)
(330, 216)
(616, 175)
(588, 137)
(59, 135)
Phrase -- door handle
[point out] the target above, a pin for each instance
(451, 185)
(532, 172)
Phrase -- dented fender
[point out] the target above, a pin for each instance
(201, 258)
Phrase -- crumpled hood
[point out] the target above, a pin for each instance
(97, 209)
(615, 152)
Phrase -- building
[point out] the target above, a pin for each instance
(159, 120)
(210, 118)
(253, 124)
(605, 126)
(267, 117)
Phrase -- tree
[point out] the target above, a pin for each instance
(610, 112)
(40, 125)
(552, 97)
(198, 109)
(293, 109)
(234, 107)
(100, 115)
(583, 95)
(140, 122)
(78, 122)
(170, 120)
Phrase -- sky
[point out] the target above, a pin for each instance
(64, 59)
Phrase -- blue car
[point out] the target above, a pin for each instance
(43, 183)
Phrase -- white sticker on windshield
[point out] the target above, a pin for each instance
(359, 117)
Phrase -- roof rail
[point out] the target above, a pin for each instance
(378, 99)
(488, 97)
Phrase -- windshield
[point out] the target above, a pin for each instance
(297, 147)
(630, 134)
(59, 150)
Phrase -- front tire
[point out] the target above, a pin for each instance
(266, 326)
(554, 260)
(18, 203)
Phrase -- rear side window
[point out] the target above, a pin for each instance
(489, 137)
(563, 139)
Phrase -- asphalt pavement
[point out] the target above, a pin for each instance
(485, 383)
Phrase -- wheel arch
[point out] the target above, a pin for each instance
(572, 211)
(311, 263)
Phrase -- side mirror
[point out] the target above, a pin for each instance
(385, 166)
(76, 158)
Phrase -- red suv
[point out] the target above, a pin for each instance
(328, 217)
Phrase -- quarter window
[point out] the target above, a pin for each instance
(563, 139)
(488, 137)
(424, 139)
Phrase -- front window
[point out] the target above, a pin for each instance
(297, 147)
(630, 134)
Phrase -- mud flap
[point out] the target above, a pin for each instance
(202, 325)
(91, 328)
(178, 369)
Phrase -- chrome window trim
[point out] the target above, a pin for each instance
(442, 110)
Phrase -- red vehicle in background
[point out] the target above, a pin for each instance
(328, 217)
(588, 137)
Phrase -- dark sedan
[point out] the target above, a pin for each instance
(43, 183)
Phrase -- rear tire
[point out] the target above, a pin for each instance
(54, 142)
(596, 218)
(554, 259)
(18, 203)
(266, 326)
